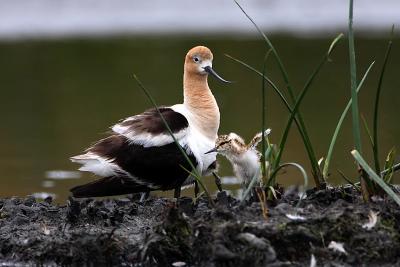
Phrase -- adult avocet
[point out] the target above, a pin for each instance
(141, 156)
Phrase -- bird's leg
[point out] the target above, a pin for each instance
(196, 189)
(177, 192)
(217, 181)
(144, 196)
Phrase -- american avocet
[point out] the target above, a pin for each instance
(141, 156)
(245, 159)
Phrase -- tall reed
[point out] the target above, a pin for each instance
(325, 171)
(375, 144)
(353, 80)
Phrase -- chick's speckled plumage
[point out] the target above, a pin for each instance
(245, 159)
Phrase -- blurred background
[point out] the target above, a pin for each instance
(66, 76)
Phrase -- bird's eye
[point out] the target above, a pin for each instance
(223, 143)
(196, 59)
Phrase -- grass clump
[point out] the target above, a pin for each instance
(318, 179)
(371, 182)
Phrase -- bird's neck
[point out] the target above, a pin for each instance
(201, 104)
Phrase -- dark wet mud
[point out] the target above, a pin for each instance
(163, 232)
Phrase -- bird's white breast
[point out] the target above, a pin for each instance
(246, 165)
(197, 142)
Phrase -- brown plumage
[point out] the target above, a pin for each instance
(198, 97)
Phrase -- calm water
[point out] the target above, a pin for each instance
(59, 96)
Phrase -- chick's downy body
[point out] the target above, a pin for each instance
(245, 159)
(246, 165)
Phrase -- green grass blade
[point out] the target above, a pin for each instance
(263, 117)
(303, 133)
(375, 177)
(268, 80)
(194, 170)
(273, 191)
(345, 177)
(297, 166)
(256, 176)
(316, 170)
(250, 186)
(277, 57)
(165, 123)
(389, 164)
(339, 126)
(367, 131)
(276, 89)
(334, 43)
(376, 109)
(395, 168)
(353, 79)
(296, 107)
(198, 179)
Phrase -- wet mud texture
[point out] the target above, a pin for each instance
(161, 232)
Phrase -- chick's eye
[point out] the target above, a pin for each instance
(196, 59)
(223, 143)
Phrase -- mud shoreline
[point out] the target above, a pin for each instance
(164, 232)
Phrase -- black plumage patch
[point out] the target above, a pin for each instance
(160, 167)
(213, 166)
(108, 186)
(150, 122)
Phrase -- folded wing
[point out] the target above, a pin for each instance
(149, 130)
(140, 155)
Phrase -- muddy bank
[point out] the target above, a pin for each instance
(161, 232)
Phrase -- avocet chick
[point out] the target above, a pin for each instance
(245, 159)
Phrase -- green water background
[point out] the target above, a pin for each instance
(58, 96)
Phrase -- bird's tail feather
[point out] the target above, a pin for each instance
(108, 186)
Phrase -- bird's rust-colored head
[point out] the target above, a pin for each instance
(198, 61)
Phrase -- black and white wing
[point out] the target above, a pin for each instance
(148, 129)
(139, 156)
